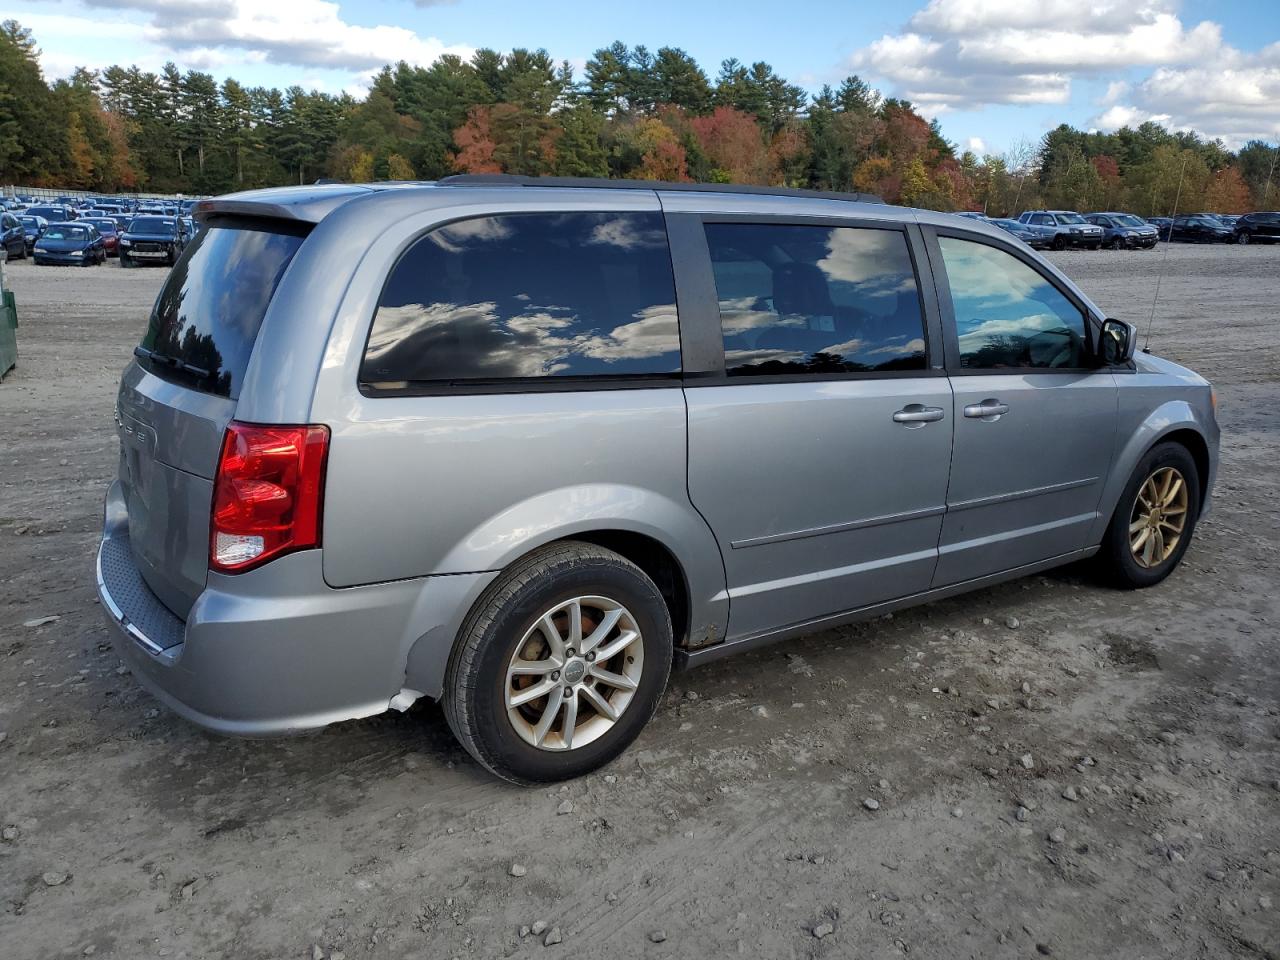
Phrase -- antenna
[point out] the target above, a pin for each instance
(1177, 197)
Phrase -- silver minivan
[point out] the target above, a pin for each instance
(523, 445)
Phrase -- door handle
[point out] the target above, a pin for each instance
(989, 410)
(917, 415)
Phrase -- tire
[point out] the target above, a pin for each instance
(506, 619)
(1117, 560)
(125, 262)
(1096, 246)
(1059, 242)
(1242, 238)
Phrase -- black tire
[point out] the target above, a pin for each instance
(1059, 242)
(1116, 560)
(1242, 237)
(125, 262)
(475, 682)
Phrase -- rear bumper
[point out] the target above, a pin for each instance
(274, 650)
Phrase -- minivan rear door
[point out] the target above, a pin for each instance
(819, 451)
(180, 392)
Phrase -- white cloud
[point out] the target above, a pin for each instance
(309, 33)
(977, 145)
(965, 54)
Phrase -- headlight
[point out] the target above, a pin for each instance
(39, 250)
(124, 242)
(77, 253)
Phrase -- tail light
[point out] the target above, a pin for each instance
(268, 494)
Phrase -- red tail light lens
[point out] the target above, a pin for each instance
(267, 495)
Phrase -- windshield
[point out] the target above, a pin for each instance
(1070, 218)
(151, 225)
(29, 221)
(66, 233)
(1128, 220)
(104, 226)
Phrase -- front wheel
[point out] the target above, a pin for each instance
(559, 665)
(1154, 520)
(1059, 242)
(1242, 238)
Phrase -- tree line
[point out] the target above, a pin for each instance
(634, 113)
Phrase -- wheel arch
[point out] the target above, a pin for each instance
(1174, 421)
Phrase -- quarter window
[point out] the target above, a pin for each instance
(1006, 313)
(528, 296)
(815, 300)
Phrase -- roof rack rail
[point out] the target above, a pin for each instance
(514, 180)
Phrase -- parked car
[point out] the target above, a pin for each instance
(1063, 228)
(54, 213)
(1199, 228)
(1230, 219)
(110, 233)
(1124, 230)
(1036, 241)
(1163, 225)
(152, 239)
(1261, 227)
(32, 228)
(12, 237)
(73, 243)
(533, 443)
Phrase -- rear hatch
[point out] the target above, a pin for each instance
(180, 393)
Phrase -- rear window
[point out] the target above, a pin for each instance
(206, 319)
(527, 297)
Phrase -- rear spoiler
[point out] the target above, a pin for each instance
(302, 205)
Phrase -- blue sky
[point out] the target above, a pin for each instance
(994, 72)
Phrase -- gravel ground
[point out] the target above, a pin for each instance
(1047, 768)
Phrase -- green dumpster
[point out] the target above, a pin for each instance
(8, 331)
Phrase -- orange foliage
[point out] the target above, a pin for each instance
(475, 143)
(733, 143)
(1228, 193)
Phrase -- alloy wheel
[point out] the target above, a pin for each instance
(1159, 517)
(574, 673)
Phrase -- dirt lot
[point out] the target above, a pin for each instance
(728, 829)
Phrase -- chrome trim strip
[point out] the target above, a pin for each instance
(837, 528)
(147, 644)
(1020, 494)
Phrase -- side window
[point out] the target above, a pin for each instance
(1007, 314)
(815, 300)
(528, 296)
(1043, 219)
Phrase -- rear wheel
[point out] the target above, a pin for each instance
(1242, 237)
(1154, 520)
(560, 664)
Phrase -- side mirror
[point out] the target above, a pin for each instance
(1117, 343)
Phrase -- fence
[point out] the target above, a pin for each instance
(49, 194)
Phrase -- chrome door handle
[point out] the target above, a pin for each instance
(989, 409)
(917, 415)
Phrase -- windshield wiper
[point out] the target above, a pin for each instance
(174, 362)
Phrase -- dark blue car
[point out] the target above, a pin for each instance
(152, 239)
(11, 237)
(74, 244)
(32, 228)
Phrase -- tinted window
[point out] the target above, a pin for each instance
(1006, 313)
(151, 225)
(208, 314)
(1042, 218)
(815, 300)
(528, 296)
